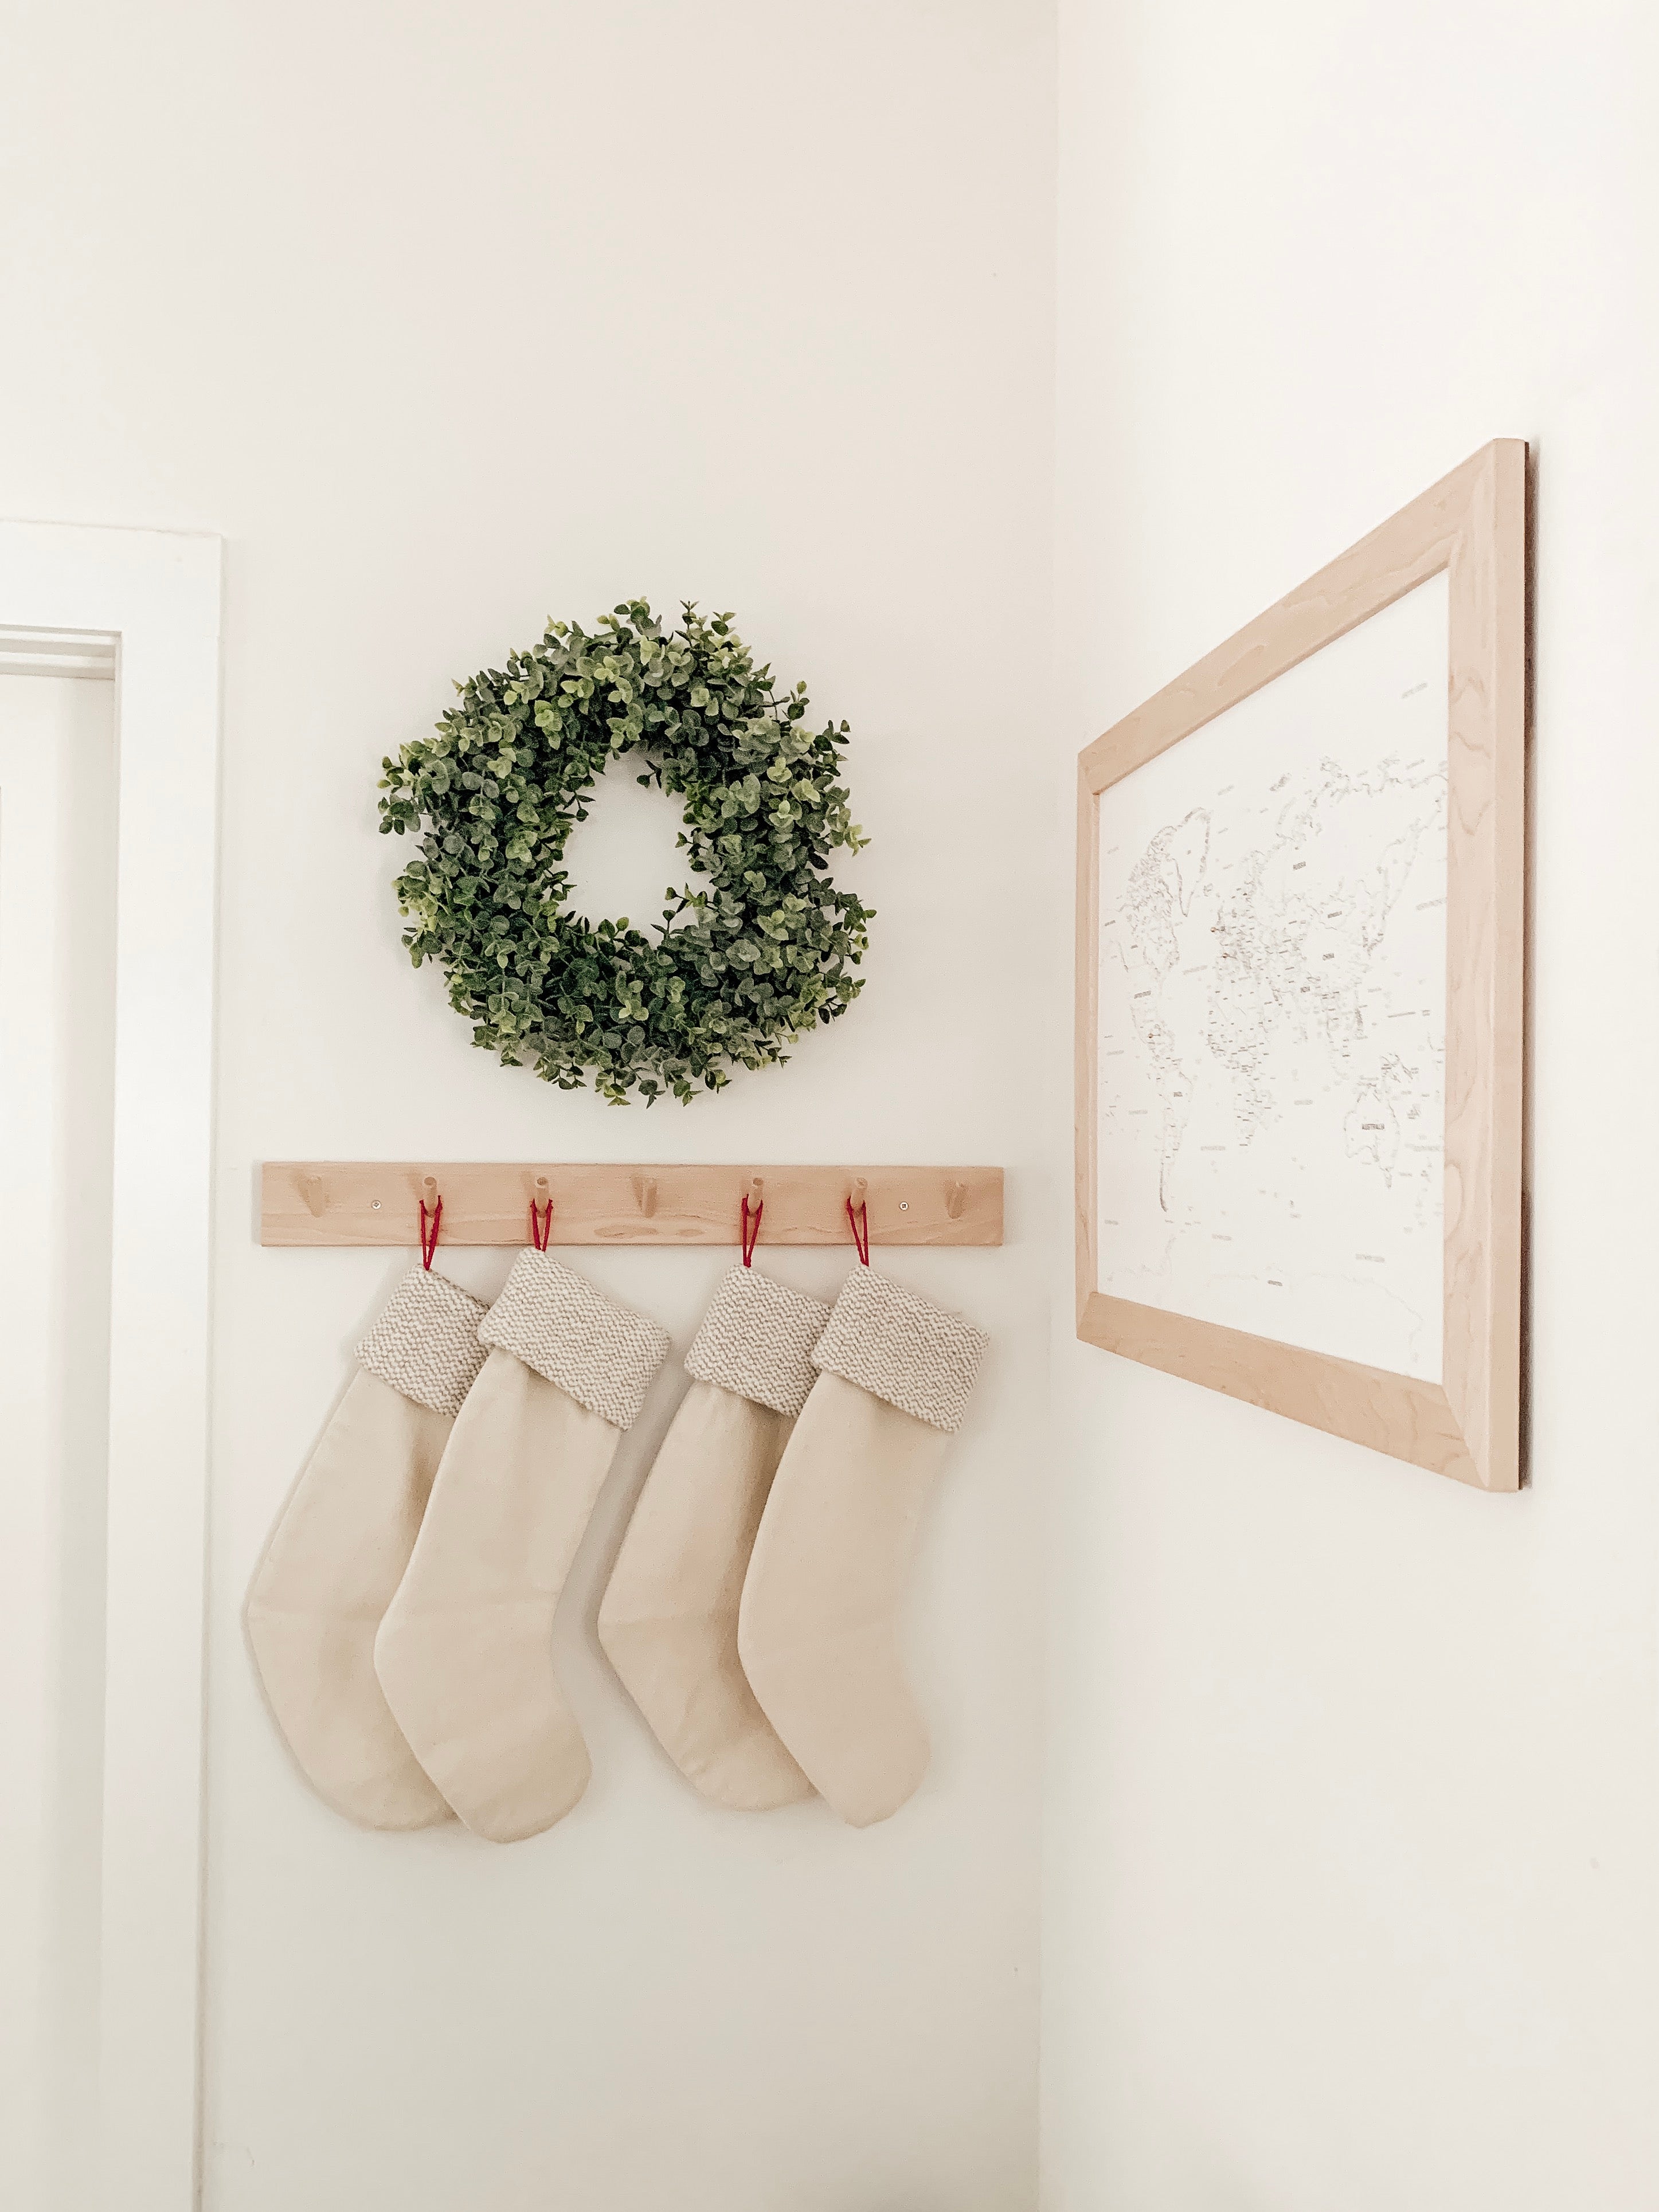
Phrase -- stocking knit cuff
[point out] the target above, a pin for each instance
(757, 1338)
(599, 1353)
(425, 1343)
(902, 1348)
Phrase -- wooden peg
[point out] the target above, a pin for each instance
(645, 1193)
(430, 1189)
(756, 1190)
(314, 1191)
(544, 1191)
(860, 1191)
(955, 1197)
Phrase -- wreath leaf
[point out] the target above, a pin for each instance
(761, 952)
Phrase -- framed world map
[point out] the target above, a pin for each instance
(1301, 911)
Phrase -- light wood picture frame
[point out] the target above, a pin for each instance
(1472, 528)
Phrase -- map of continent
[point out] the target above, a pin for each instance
(1271, 1006)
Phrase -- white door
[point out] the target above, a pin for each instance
(57, 845)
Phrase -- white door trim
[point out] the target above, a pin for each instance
(156, 595)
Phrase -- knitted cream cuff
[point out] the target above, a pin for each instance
(425, 1343)
(903, 1349)
(599, 1353)
(756, 1339)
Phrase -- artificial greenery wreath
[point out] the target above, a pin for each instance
(757, 955)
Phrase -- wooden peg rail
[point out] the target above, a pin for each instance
(378, 1202)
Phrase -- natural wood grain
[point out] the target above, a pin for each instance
(1088, 1040)
(366, 1202)
(1485, 930)
(1393, 1414)
(1403, 553)
(1472, 524)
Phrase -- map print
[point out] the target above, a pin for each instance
(1272, 1006)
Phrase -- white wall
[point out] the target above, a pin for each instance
(449, 319)
(1353, 1862)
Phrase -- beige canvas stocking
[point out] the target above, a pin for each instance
(465, 1653)
(818, 1627)
(669, 1621)
(340, 1547)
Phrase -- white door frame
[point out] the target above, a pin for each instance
(155, 594)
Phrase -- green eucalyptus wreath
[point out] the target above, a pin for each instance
(757, 955)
